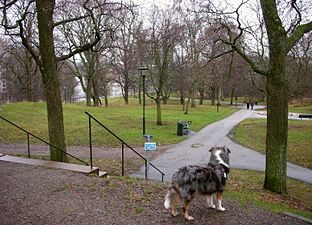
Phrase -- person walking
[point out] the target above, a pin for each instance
(251, 105)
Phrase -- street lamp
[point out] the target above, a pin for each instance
(141, 68)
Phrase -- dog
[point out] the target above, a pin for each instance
(188, 181)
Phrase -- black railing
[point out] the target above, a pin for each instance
(122, 148)
(40, 139)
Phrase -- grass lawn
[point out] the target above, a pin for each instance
(246, 187)
(125, 121)
(300, 108)
(252, 133)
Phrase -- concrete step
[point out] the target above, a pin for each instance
(52, 164)
(102, 174)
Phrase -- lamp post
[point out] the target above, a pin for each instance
(141, 68)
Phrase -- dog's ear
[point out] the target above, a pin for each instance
(210, 150)
(227, 149)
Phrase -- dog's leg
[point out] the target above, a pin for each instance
(175, 202)
(219, 199)
(210, 201)
(186, 209)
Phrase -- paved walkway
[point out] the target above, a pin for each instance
(194, 150)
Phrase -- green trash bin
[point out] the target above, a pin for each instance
(180, 127)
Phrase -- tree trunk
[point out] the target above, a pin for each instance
(50, 79)
(193, 103)
(232, 96)
(182, 100)
(106, 99)
(219, 95)
(96, 97)
(126, 89)
(201, 96)
(29, 80)
(165, 100)
(277, 102)
(277, 122)
(88, 93)
(159, 122)
(187, 104)
(139, 91)
(277, 134)
(213, 95)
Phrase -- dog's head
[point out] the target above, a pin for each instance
(220, 155)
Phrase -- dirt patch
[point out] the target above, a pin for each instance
(37, 195)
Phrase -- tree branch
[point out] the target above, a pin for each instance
(255, 85)
(249, 61)
(70, 20)
(297, 34)
(88, 45)
(216, 56)
(27, 45)
(295, 7)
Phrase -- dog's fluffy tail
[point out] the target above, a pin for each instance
(170, 196)
(167, 201)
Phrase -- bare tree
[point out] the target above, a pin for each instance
(21, 71)
(161, 39)
(68, 84)
(193, 43)
(125, 51)
(20, 67)
(180, 73)
(299, 64)
(44, 52)
(284, 25)
(86, 64)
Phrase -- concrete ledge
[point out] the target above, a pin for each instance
(51, 164)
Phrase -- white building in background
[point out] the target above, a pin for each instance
(114, 89)
(80, 95)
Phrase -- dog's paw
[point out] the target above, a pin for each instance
(212, 206)
(174, 213)
(220, 208)
(188, 217)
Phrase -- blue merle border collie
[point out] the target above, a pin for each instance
(188, 181)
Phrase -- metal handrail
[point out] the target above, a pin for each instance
(40, 139)
(122, 148)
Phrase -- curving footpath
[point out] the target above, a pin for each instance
(194, 150)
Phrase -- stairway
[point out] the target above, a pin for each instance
(52, 164)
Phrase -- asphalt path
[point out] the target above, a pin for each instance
(194, 150)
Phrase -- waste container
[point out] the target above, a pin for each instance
(180, 128)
